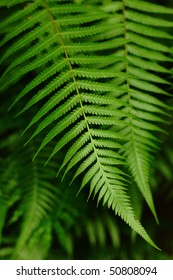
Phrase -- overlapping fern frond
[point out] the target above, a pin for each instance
(143, 53)
(93, 89)
(38, 194)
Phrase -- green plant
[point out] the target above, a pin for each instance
(89, 85)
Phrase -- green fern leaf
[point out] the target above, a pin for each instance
(146, 19)
(148, 7)
(143, 54)
(102, 113)
(147, 65)
(38, 195)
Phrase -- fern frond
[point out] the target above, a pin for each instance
(89, 94)
(143, 51)
(37, 193)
